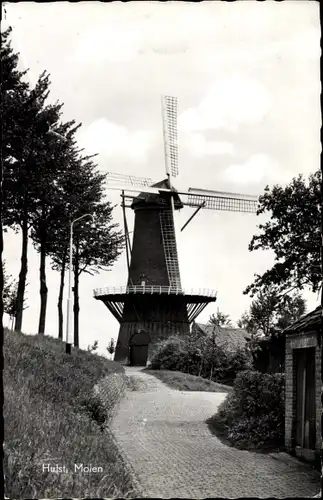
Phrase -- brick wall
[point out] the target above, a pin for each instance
(290, 395)
(318, 397)
(295, 341)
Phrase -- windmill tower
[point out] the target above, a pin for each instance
(153, 305)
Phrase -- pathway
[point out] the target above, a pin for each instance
(163, 435)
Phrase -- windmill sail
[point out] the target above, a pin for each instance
(170, 107)
(219, 200)
(128, 180)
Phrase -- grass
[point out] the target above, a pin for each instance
(186, 382)
(51, 417)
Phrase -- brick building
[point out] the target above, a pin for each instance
(303, 386)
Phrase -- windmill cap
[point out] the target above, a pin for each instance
(144, 199)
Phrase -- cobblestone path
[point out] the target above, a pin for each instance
(163, 434)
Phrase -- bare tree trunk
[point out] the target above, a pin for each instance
(76, 297)
(1, 265)
(22, 276)
(60, 297)
(43, 289)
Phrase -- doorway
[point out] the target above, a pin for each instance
(305, 436)
(138, 349)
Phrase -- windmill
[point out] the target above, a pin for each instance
(153, 305)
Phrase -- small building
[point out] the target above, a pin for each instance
(303, 386)
(225, 336)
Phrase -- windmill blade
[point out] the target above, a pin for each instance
(220, 200)
(149, 190)
(170, 111)
(129, 180)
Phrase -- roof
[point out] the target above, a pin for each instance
(161, 199)
(232, 338)
(310, 321)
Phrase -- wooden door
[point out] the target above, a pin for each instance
(138, 355)
(310, 406)
(305, 398)
(138, 347)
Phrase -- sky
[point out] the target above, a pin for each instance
(247, 78)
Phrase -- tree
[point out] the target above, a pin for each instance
(33, 160)
(220, 319)
(27, 155)
(293, 233)
(93, 347)
(270, 313)
(54, 160)
(12, 110)
(81, 188)
(96, 247)
(111, 347)
(9, 294)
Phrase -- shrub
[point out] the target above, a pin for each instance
(95, 409)
(199, 356)
(253, 415)
(168, 354)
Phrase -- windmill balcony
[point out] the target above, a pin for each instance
(152, 290)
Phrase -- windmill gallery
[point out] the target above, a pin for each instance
(153, 305)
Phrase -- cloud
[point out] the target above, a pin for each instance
(252, 171)
(258, 169)
(232, 101)
(113, 140)
(198, 146)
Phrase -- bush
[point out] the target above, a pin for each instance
(199, 356)
(93, 406)
(168, 354)
(253, 415)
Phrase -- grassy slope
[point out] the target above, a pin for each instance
(45, 391)
(186, 382)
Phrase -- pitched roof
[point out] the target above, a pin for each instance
(310, 321)
(232, 338)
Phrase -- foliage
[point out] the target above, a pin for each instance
(93, 347)
(220, 319)
(95, 409)
(201, 356)
(31, 159)
(270, 313)
(293, 233)
(9, 294)
(97, 246)
(45, 391)
(253, 414)
(47, 184)
(111, 347)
